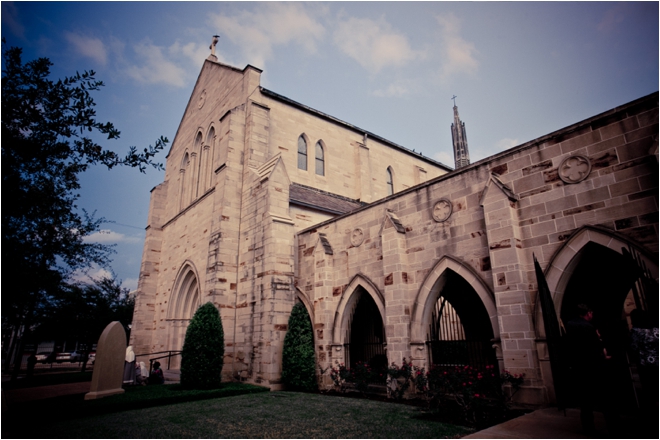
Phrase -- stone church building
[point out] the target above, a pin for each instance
(266, 202)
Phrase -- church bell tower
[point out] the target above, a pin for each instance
(459, 140)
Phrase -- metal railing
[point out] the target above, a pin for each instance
(170, 354)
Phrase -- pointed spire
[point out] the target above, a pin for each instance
(459, 140)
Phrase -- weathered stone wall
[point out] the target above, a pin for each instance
(224, 213)
(485, 222)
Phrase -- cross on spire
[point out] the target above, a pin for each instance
(454, 99)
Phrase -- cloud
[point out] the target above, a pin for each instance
(258, 32)
(89, 47)
(90, 275)
(195, 52)
(444, 157)
(459, 54)
(374, 45)
(10, 19)
(130, 284)
(155, 68)
(394, 90)
(108, 236)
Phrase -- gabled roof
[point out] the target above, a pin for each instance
(321, 200)
(369, 134)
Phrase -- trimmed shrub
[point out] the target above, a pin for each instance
(298, 360)
(203, 350)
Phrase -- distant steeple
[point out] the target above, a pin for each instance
(459, 140)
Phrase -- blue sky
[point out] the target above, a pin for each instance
(519, 70)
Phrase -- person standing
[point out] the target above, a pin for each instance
(588, 365)
(129, 366)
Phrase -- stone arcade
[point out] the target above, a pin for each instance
(266, 202)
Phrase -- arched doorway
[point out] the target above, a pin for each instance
(613, 276)
(184, 303)
(365, 336)
(459, 331)
(604, 280)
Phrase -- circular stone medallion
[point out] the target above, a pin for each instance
(201, 100)
(357, 237)
(442, 210)
(574, 169)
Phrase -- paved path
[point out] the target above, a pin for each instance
(542, 423)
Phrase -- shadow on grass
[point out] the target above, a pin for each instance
(46, 379)
(136, 397)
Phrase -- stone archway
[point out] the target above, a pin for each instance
(184, 302)
(590, 268)
(361, 298)
(475, 305)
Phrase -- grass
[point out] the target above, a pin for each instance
(259, 415)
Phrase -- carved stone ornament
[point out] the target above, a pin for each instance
(201, 100)
(574, 169)
(442, 210)
(357, 237)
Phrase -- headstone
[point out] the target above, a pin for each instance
(109, 363)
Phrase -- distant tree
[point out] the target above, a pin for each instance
(80, 312)
(298, 358)
(203, 351)
(47, 141)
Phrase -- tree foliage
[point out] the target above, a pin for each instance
(298, 359)
(80, 312)
(203, 351)
(48, 132)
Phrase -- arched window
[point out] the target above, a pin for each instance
(183, 175)
(206, 163)
(320, 161)
(196, 153)
(390, 182)
(302, 153)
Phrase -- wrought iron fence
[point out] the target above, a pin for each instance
(477, 354)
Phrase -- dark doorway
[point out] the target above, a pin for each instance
(460, 331)
(366, 341)
(603, 279)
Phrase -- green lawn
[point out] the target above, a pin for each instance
(261, 415)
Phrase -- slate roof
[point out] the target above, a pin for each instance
(324, 201)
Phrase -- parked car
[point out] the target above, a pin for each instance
(44, 357)
(70, 356)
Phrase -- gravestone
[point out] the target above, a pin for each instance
(109, 363)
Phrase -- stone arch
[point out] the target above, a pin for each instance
(348, 300)
(427, 295)
(185, 299)
(564, 261)
(588, 252)
(306, 302)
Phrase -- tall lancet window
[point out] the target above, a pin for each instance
(390, 182)
(302, 153)
(319, 160)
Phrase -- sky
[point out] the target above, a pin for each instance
(519, 70)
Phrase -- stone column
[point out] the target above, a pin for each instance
(512, 294)
(397, 309)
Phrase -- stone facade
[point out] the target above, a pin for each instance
(222, 225)
(238, 223)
